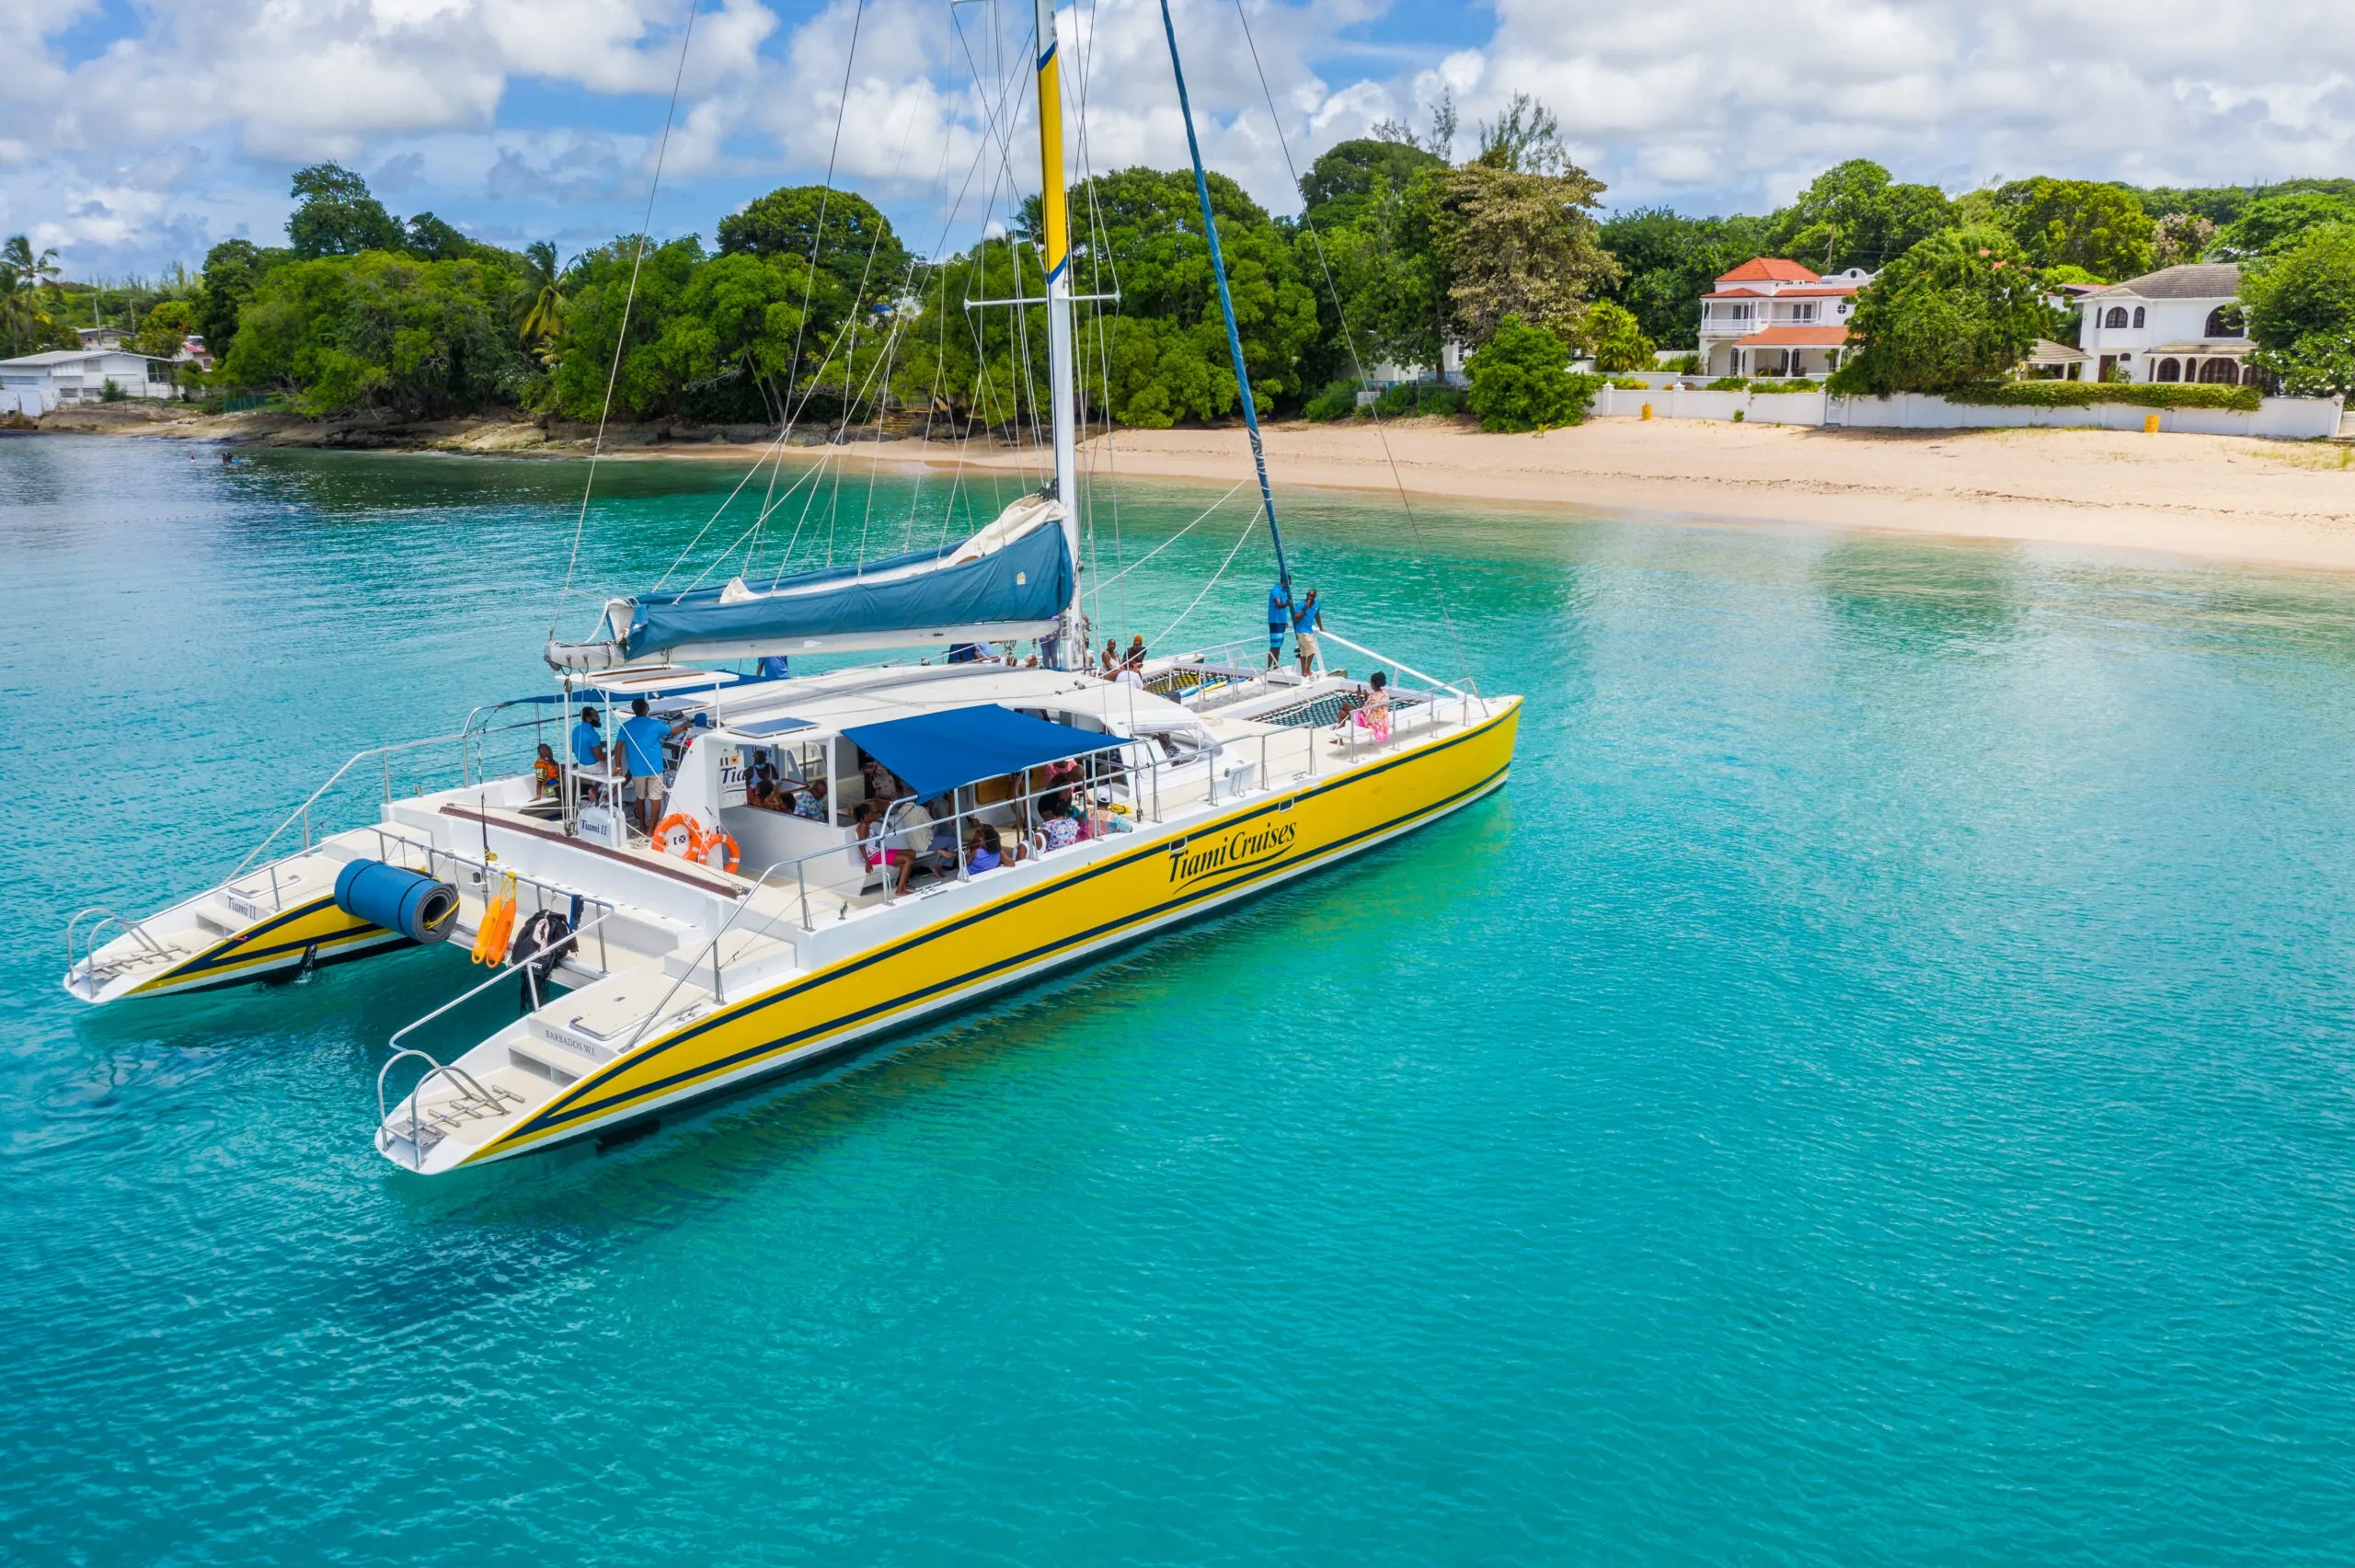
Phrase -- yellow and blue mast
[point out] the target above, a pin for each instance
(1054, 243)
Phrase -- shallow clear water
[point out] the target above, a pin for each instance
(1875, 1088)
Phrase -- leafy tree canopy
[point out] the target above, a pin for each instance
(859, 258)
(1339, 188)
(2077, 222)
(1617, 338)
(434, 240)
(336, 216)
(1958, 307)
(2300, 304)
(381, 330)
(166, 328)
(1521, 381)
(1516, 243)
(232, 273)
(2179, 238)
(1854, 215)
(1667, 262)
(2277, 222)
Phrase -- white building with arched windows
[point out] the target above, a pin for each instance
(2177, 324)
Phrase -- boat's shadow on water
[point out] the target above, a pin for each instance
(707, 1151)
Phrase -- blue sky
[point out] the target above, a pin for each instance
(134, 134)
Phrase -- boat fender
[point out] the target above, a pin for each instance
(397, 899)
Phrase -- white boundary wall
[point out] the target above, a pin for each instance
(2289, 419)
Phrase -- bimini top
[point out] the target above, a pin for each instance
(1011, 580)
(934, 753)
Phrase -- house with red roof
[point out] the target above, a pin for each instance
(1773, 317)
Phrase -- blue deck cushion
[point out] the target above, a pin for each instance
(934, 753)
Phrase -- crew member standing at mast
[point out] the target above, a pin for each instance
(1278, 621)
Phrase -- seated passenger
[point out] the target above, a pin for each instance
(544, 771)
(1058, 830)
(868, 823)
(587, 743)
(984, 851)
(811, 802)
(914, 844)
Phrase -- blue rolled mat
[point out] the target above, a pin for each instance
(416, 906)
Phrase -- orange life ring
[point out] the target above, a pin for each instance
(719, 839)
(691, 848)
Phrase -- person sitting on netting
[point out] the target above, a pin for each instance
(1372, 713)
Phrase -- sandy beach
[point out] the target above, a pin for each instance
(2283, 503)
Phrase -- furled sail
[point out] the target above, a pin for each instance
(1011, 580)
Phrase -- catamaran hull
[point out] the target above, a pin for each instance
(1100, 907)
(313, 935)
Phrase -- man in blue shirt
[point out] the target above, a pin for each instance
(588, 745)
(774, 666)
(1279, 619)
(1304, 627)
(641, 743)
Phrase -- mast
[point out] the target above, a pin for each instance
(1226, 301)
(1054, 243)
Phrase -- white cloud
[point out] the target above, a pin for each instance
(182, 129)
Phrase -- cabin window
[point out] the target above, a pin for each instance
(2117, 317)
(2168, 371)
(2224, 321)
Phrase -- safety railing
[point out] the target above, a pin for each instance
(473, 1099)
(85, 956)
(554, 944)
(395, 849)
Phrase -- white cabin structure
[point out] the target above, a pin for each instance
(2176, 325)
(1771, 316)
(36, 383)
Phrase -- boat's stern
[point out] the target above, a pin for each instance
(279, 919)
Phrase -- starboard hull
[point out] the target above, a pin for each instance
(1102, 906)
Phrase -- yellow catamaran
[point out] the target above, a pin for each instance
(834, 856)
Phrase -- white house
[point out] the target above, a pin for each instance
(38, 383)
(1772, 317)
(2177, 324)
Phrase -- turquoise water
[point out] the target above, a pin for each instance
(1875, 1088)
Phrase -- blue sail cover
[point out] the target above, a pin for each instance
(1027, 580)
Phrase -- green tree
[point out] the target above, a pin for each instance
(33, 270)
(1521, 381)
(649, 380)
(2277, 222)
(166, 328)
(1960, 307)
(232, 273)
(1168, 353)
(2078, 222)
(861, 262)
(1667, 262)
(335, 215)
(1339, 190)
(1854, 215)
(2300, 306)
(537, 306)
(381, 330)
(1521, 244)
(434, 240)
(1617, 338)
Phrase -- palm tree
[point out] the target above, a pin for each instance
(540, 301)
(16, 309)
(17, 259)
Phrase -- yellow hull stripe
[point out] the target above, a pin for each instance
(276, 941)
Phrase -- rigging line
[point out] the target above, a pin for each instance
(825, 191)
(1249, 524)
(1349, 339)
(1183, 532)
(597, 446)
(759, 519)
(1100, 254)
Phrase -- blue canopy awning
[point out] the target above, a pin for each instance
(934, 753)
